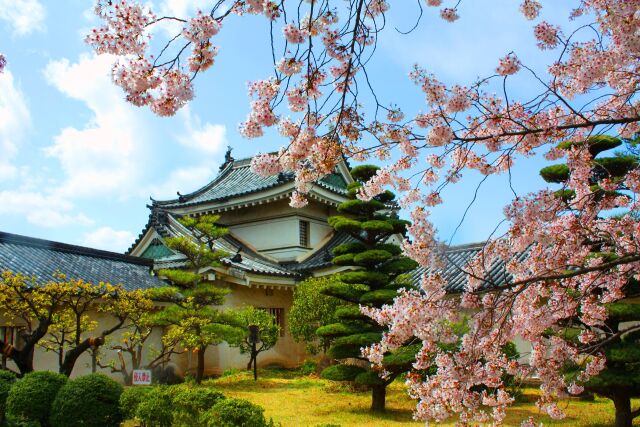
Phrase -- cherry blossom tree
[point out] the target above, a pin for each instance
(317, 97)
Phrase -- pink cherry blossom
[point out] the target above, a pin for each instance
(449, 14)
(530, 9)
(510, 64)
(546, 34)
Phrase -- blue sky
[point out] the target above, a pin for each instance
(78, 164)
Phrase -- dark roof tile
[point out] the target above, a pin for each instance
(43, 258)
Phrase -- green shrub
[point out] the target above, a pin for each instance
(342, 372)
(154, 410)
(191, 401)
(346, 259)
(130, 399)
(350, 312)
(369, 378)
(7, 378)
(372, 257)
(235, 413)
(360, 208)
(379, 297)
(376, 226)
(364, 172)
(30, 398)
(309, 367)
(348, 248)
(371, 278)
(90, 401)
(344, 291)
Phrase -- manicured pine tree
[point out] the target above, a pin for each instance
(268, 333)
(620, 380)
(378, 273)
(192, 319)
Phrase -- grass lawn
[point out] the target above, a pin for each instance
(294, 400)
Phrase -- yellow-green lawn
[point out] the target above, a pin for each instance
(294, 400)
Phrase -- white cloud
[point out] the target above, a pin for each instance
(42, 210)
(185, 180)
(183, 8)
(15, 124)
(208, 138)
(109, 239)
(24, 16)
(104, 155)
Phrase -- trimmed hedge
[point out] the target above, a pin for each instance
(190, 402)
(88, 401)
(130, 400)
(30, 398)
(235, 413)
(154, 410)
(7, 379)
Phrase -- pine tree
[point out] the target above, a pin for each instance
(192, 319)
(377, 274)
(620, 380)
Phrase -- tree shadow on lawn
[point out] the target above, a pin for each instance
(391, 414)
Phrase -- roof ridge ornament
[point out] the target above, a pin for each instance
(227, 158)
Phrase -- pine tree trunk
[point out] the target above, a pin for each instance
(200, 367)
(622, 402)
(378, 397)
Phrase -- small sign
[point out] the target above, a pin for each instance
(141, 377)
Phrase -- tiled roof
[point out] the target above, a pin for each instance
(323, 256)
(456, 261)
(236, 179)
(251, 260)
(43, 258)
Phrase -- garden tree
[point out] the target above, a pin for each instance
(321, 74)
(62, 333)
(83, 300)
(620, 378)
(310, 310)
(133, 341)
(268, 333)
(379, 268)
(191, 320)
(56, 315)
(32, 307)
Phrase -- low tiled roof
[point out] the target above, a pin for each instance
(236, 179)
(455, 269)
(43, 258)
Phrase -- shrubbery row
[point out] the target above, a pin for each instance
(48, 399)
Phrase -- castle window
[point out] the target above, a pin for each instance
(304, 234)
